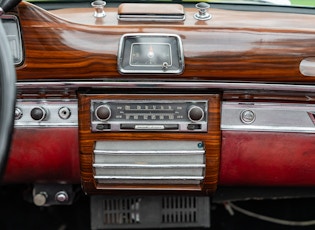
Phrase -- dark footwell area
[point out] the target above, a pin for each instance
(18, 213)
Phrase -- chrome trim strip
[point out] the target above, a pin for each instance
(272, 117)
(151, 18)
(140, 152)
(167, 85)
(150, 177)
(53, 114)
(96, 165)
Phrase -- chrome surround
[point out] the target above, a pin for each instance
(20, 44)
(271, 117)
(53, 117)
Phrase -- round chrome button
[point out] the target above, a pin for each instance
(61, 196)
(247, 116)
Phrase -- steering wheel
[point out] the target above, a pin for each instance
(7, 98)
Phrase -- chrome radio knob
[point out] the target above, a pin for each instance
(103, 112)
(38, 113)
(195, 113)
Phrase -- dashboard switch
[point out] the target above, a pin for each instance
(18, 113)
(64, 113)
(40, 199)
(62, 196)
(38, 113)
(247, 116)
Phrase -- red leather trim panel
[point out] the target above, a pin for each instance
(267, 159)
(44, 155)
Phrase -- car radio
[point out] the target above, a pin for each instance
(149, 115)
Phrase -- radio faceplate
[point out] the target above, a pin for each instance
(149, 115)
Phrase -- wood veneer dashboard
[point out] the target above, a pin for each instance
(238, 57)
(233, 45)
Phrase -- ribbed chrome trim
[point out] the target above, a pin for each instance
(149, 162)
(165, 84)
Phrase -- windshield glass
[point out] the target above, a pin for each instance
(292, 3)
(307, 3)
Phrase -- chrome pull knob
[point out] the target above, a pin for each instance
(99, 8)
(195, 113)
(103, 112)
(202, 11)
(40, 199)
(38, 113)
(18, 113)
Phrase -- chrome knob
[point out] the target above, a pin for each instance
(195, 113)
(61, 196)
(99, 8)
(103, 112)
(40, 199)
(202, 11)
(38, 113)
(18, 113)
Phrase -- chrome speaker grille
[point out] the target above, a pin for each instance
(149, 162)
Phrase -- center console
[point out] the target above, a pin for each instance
(149, 141)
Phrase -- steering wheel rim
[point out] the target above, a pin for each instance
(7, 98)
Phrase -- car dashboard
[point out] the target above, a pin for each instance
(141, 103)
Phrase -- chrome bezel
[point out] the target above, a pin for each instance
(20, 59)
(177, 66)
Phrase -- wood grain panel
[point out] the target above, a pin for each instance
(211, 139)
(234, 45)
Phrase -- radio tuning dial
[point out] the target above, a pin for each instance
(195, 113)
(103, 112)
